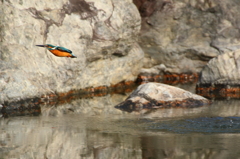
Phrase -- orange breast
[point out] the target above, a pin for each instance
(60, 53)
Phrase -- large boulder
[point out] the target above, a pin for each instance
(224, 69)
(157, 95)
(102, 34)
(185, 35)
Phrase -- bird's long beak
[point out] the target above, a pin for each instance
(41, 45)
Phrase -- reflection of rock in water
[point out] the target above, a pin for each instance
(225, 108)
(79, 136)
(105, 105)
(189, 146)
(42, 138)
(217, 108)
(68, 137)
(93, 128)
(219, 91)
(21, 108)
(90, 106)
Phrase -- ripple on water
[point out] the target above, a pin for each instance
(197, 125)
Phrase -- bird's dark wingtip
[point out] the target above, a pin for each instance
(41, 45)
(73, 56)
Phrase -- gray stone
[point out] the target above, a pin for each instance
(157, 95)
(185, 35)
(97, 32)
(224, 69)
(158, 69)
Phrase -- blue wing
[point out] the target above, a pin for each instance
(63, 49)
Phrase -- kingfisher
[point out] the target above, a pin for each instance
(59, 51)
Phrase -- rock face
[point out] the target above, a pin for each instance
(223, 69)
(102, 34)
(157, 95)
(185, 35)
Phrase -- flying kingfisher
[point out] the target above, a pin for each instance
(59, 51)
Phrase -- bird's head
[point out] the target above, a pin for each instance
(48, 46)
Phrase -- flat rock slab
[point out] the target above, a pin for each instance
(157, 95)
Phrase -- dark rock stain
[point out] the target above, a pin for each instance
(148, 7)
(86, 11)
(48, 22)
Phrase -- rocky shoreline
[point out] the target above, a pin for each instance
(117, 42)
(32, 106)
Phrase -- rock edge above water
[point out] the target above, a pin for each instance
(222, 69)
(157, 95)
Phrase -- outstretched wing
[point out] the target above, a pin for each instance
(63, 49)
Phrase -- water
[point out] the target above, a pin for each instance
(93, 128)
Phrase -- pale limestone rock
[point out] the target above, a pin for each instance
(163, 92)
(224, 69)
(157, 95)
(96, 32)
(154, 70)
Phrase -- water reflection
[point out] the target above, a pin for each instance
(82, 136)
(90, 106)
(93, 128)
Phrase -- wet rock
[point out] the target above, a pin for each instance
(102, 34)
(219, 91)
(27, 107)
(157, 95)
(185, 35)
(223, 69)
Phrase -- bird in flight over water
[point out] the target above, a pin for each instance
(59, 51)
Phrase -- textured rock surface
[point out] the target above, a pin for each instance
(224, 69)
(102, 34)
(185, 35)
(157, 95)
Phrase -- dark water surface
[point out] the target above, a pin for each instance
(92, 128)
